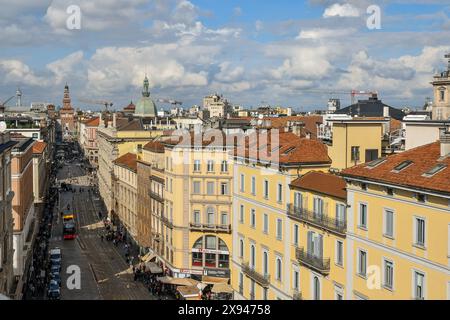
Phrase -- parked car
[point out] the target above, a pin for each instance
(54, 291)
(55, 255)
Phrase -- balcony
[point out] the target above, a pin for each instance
(321, 265)
(320, 221)
(156, 196)
(263, 280)
(216, 228)
(166, 222)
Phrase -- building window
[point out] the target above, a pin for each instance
(389, 223)
(419, 285)
(296, 282)
(339, 253)
(253, 186)
(241, 214)
(388, 274)
(210, 188)
(315, 244)
(210, 216)
(242, 183)
(224, 189)
(355, 154)
(338, 293)
(196, 188)
(224, 219)
(266, 189)
(265, 263)
(279, 267)
(197, 217)
(442, 95)
(362, 263)
(197, 166)
(318, 208)
(210, 166)
(241, 248)
(224, 166)
(265, 223)
(420, 232)
(298, 200)
(363, 215)
(253, 218)
(316, 284)
(296, 235)
(252, 256)
(280, 193)
(279, 229)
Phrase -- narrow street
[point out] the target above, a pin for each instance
(104, 272)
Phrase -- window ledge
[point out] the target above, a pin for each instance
(419, 246)
(362, 228)
(388, 237)
(362, 276)
(388, 288)
(339, 265)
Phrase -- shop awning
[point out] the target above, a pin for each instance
(222, 288)
(148, 257)
(189, 292)
(187, 282)
(153, 267)
(214, 280)
(165, 280)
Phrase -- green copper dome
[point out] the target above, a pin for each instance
(146, 107)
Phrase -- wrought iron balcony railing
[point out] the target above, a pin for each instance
(319, 264)
(217, 228)
(155, 196)
(263, 280)
(318, 220)
(167, 222)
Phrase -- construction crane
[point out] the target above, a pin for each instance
(353, 93)
(8, 100)
(98, 102)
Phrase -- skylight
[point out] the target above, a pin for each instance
(403, 166)
(435, 170)
(375, 163)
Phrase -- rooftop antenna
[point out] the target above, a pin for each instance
(447, 56)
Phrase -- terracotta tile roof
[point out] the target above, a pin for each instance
(154, 146)
(130, 107)
(94, 122)
(39, 147)
(128, 160)
(424, 158)
(310, 123)
(324, 183)
(133, 125)
(292, 150)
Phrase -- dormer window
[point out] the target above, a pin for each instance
(402, 166)
(421, 197)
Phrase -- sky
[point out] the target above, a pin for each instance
(253, 52)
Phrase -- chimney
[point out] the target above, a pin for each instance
(114, 120)
(445, 141)
(386, 112)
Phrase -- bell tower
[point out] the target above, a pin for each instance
(441, 89)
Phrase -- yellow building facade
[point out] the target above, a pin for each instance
(263, 255)
(356, 141)
(198, 208)
(398, 237)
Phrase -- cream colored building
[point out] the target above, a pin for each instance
(125, 192)
(119, 137)
(217, 106)
(6, 217)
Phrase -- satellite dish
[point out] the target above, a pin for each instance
(3, 126)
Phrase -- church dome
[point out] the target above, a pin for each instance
(146, 107)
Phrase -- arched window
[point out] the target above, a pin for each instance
(265, 263)
(210, 216)
(217, 256)
(316, 288)
(279, 267)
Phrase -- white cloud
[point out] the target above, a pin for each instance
(66, 67)
(341, 10)
(17, 72)
(321, 33)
